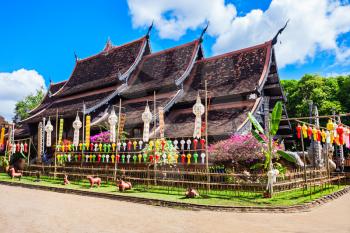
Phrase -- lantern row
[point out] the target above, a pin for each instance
(134, 146)
(334, 134)
(127, 158)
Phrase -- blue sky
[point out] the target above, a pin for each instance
(43, 35)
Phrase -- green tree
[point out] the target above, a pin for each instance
(28, 103)
(327, 93)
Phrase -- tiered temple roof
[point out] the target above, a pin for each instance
(238, 82)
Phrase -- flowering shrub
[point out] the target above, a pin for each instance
(103, 137)
(238, 148)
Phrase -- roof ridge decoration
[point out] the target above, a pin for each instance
(203, 32)
(123, 76)
(190, 66)
(48, 94)
(108, 46)
(274, 40)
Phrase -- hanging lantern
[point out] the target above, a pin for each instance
(60, 133)
(2, 136)
(87, 129)
(198, 110)
(309, 132)
(146, 118)
(112, 120)
(340, 132)
(314, 133)
(299, 131)
(330, 125)
(323, 135)
(161, 121)
(40, 141)
(304, 129)
(48, 130)
(76, 125)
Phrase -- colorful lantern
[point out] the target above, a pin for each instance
(188, 144)
(129, 145)
(309, 132)
(112, 120)
(147, 118)
(328, 137)
(176, 142)
(183, 157)
(189, 158)
(195, 142)
(2, 136)
(60, 132)
(161, 121)
(304, 129)
(314, 133)
(198, 110)
(203, 157)
(323, 135)
(76, 125)
(340, 132)
(202, 141)
(330, 125)
(87, 129)
(299, 131)
(195, 157)
(140, 144)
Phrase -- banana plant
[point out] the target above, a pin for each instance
(267, 138)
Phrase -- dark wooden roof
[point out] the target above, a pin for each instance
(229, 74)
(160, 70)
(67, 107)
(102, 69)
(48, 98)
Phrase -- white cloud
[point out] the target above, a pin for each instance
(15, 86)
(173, 18)
(314, 25)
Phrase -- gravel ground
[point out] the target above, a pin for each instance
(26, 210)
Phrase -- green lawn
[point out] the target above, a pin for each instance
(222, 198)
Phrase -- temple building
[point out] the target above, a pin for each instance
(238, 82)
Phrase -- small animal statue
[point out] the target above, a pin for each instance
(191, 193)
(122, 185)
(14, 174)
(65, 180)
(94, 181)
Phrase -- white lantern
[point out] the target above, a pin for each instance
(198, 110)
(48, 130)
(147, 118)
(76, 125)
(112, 120)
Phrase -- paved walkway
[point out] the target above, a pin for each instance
(26, 210)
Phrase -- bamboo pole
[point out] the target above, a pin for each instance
(206, 136)
(303, 149)
(155, 136)
(116, 149)
(55, 170)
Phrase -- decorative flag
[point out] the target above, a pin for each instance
(198, 110)
(2, 136)
(48, 130)
(60, 133)
(121, 123)
(112, 121)
(161, 121)
(147, 118)
(40, 141)
(87, 129)
(76, 125)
